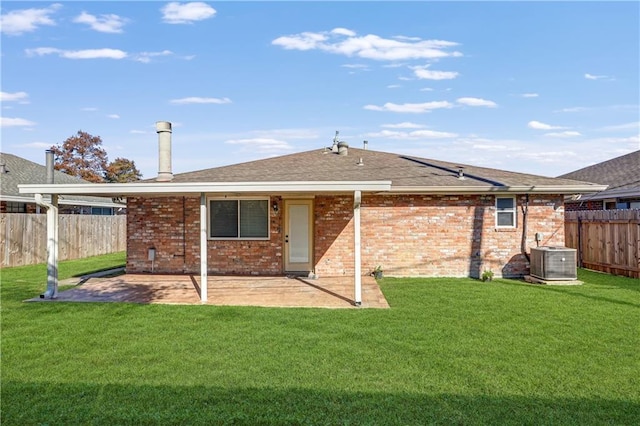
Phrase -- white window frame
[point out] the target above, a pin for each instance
(513, 211)
(238, 198)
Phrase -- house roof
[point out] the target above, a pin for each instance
(621, 174)
(361, 165)
(321, 170)
(18, 170)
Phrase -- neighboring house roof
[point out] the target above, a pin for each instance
(621, 174)
(17, 170)
(321, 170)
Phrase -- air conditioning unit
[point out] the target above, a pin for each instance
(553, 263)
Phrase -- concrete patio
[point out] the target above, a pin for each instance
(277, 291)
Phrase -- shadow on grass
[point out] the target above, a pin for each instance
(51, 403)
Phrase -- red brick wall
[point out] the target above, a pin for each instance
(414, 235)
(407, 235)
(583, 205)
(172, 226)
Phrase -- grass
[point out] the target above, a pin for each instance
(449, 351)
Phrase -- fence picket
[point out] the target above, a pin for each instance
(606, 240)
(23, 237)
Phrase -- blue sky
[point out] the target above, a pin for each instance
(534, 87)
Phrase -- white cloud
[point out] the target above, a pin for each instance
(89, 109)
(565, 134)
(343, 31)
(78, 54)
(595, 77)
(476, 102)
(426, 89)
(393, 86)
(199, 100)
(424, 73)
(145, 57)
(38, 145)
(15, 122)
(261, 145)
(414, 135)
(186, 13)
(345, 42)
(22, 21)
(22, 97)
(412, 108)
(355, 66)
(529, 95)
(572, 109)
(627, 126)
(115, 116)
(403, 125)
(542, 126)
(108, 23)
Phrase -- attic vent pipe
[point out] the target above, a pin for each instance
(460, 173)
(343, 148)
(3, 168)
(163, 128)
(366, 145)
(48, 154)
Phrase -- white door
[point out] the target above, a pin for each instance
(298, 236)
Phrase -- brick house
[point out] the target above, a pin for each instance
(622, 177)
(337, 211)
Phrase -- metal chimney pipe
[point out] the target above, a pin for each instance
(366, 145)
(49, 164)
(163, 128)
(343, 148)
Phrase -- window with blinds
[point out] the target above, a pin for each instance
(239, 218)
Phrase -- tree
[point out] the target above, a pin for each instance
(122, 170)
(81, 155)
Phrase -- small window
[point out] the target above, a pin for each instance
(505, 212)
(239, 219)
(13, 207)
(102, 211)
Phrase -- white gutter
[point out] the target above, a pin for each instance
(522, 189)
(157, 188)
(52, 245)
(62, 201)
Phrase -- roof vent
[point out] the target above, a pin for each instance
(343, 148)
(366, 145)
(360, 162)
(334, 147)
(461, 173)
(3, 169)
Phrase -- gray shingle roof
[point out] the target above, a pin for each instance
(619, 173)
(403, 171)
(21, 171)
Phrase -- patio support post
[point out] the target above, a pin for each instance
(357, 198)
(52, 245)
(203, 248)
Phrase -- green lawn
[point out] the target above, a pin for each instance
(449, 351)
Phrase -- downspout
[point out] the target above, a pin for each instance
(52, 232)
(523, 242)
(357, 200)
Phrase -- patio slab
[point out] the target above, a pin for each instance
(278, 291)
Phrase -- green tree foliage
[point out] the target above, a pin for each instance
(82, 155)
(122, 170)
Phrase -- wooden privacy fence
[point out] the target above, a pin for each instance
(606, 240)
(23, 237)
